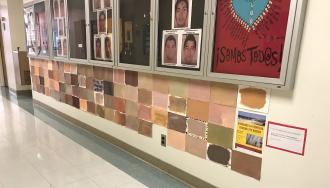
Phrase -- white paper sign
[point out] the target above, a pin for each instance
(286, 138)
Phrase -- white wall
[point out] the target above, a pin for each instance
(306, 106)
(13, 37)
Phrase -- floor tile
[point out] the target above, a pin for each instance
(86, 183)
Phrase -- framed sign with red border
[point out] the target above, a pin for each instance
(256, 41)
(286, 138)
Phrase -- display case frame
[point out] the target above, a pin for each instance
(195, 74)
(127, 66)
(290, 53)
(88, 36)
(31, 4)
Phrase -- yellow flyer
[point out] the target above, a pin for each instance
(250, 131)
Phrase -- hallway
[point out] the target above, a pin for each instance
(38, 149)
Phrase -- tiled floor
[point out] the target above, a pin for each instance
(38, 149)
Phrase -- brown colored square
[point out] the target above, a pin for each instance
(120, 118)
(68, 100)
(132, 122)
(198, 110)
(246, 164)
(109, 114)
(177, 122)
(99, 111)
(75, 102)
(119, 104)
(90, 83)
(178, 104)
(75, 91)
(196, 127)
(131, 78)
(108, 101)
(67, 78)
(91, 107)
(145, 97)
(196, 146)
(145, 128)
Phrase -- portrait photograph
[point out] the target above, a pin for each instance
(181, 14)
(98, 47)
(56, 8)
(170, 48)
(96, 5)
(108, 44)
(102, 21)
(107, 4)
(190, 50)
(62, 8)
(65, 46)
(59, 51)
(61, 27)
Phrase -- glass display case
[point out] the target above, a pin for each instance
(134, 33)
(101, 30)
(77, 29)
(36, 29)
(180, 35)
(255, 41)
(59, 28)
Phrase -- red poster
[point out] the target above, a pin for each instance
(250, 37)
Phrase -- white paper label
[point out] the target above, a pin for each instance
(286, 138)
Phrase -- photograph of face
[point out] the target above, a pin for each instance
(96, 4)
(108, 47)
(181, 13)
(102, 21)
(59, 47)
(65, 47)
(107, 4)
(189, 49)
(62, 8)
(97, 47)
(61, 26)
(170, 49)
(56, 8)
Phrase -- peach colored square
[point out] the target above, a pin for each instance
(83, 105)
(225, 94)
(176, 139)
(222, 115)
(199, 90)
(159, 117)
(145, 81)
(119, 76)
(161, 84)
(198, 110)
(131, 93)
(160, 100)
(144, 112)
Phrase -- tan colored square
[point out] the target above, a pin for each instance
(225, 94)
(198, 110)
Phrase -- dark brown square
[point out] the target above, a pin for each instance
(145, 128)
(131, 78)
(91, 107)
(75, 102)
(108, 88)
(177, 122)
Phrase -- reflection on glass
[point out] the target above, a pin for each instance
(180, 34)
(135, 32)
(36, 29)
(59, 11)
(77, 29)
(101, 30)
